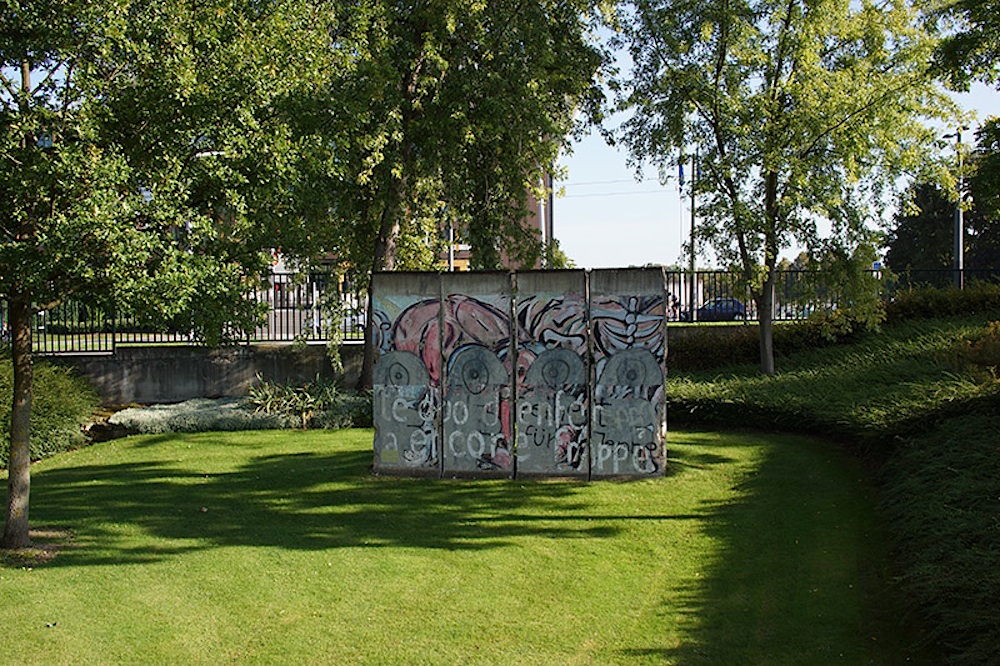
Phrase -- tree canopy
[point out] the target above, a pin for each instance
(923, 231)
(154, 152)
(147, 159)
(971, 49)
(801, 112)
(922, 237)
(450, 115)
(983, 235)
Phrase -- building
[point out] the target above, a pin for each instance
(458, 255)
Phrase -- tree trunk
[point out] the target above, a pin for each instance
(16, 534)
(765, 304)
(384, 259)
(765, 316)
(392, 215)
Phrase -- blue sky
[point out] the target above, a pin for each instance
(608, 219)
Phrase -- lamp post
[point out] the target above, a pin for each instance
(694, 182)
(691, 288)
(959, 262)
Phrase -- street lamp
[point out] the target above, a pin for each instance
(959, 218)
(691, 256)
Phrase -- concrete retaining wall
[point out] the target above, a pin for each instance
(148, 375)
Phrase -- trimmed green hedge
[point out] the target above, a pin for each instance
(941, 499)
(931, 303)
(706, 347)
(62, 403)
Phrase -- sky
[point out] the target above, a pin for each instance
(606, 218)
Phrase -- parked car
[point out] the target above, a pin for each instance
(718, 309)
(354, 321)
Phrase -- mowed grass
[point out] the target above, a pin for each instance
(281, 547)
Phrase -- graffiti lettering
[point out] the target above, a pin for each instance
(542, 412)
(625, 457)
(400, 408)
(625, 414)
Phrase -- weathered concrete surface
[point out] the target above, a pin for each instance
(553, 397)
(148, 375)
(476, 424)
(407, 378)
(475, 378)
(629, 346)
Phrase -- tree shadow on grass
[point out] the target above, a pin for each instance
(798, 575)
(302, 501)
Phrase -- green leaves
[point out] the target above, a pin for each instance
(971, 50)
(801, 112)
(172, 148)
(455, 106)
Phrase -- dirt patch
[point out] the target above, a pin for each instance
(46, 544)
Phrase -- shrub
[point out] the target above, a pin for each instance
(317, 404)
(63, 402)
(930, 302)
(350, 410)
(977, 356)
(940, 495)
(198, 415)
(920, 400)
(714, 347)
(228, 414)
(705, 347)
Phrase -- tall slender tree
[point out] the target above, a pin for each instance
(983, 253)
(146, 158)
(454, 111)
(922, 236)
(801, 111)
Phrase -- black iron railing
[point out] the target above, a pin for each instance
(298, 308)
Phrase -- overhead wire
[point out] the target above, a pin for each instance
(571, 184)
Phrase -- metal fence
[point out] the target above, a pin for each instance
(704, 296)
(295, 309)
(295, 312)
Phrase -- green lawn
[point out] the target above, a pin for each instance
(280, 547)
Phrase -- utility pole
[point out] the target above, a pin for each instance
(959, 220)
(543, 227)
(451, 246)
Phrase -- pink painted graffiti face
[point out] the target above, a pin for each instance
(464, 320)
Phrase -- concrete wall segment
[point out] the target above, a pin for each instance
(629, 348)
(552, 396)
(538, 373)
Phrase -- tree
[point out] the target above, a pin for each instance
(802, 262)
(453, 111)
(923, 233)
(983, 237)
(972, 49)
(146, 159)
(800, 111)
(922, 237)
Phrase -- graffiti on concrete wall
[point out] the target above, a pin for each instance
(476, 416)
(552, 405)
(628, 418)
(405, 383)
(404, 410)
(492, 381)
(476, 423)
